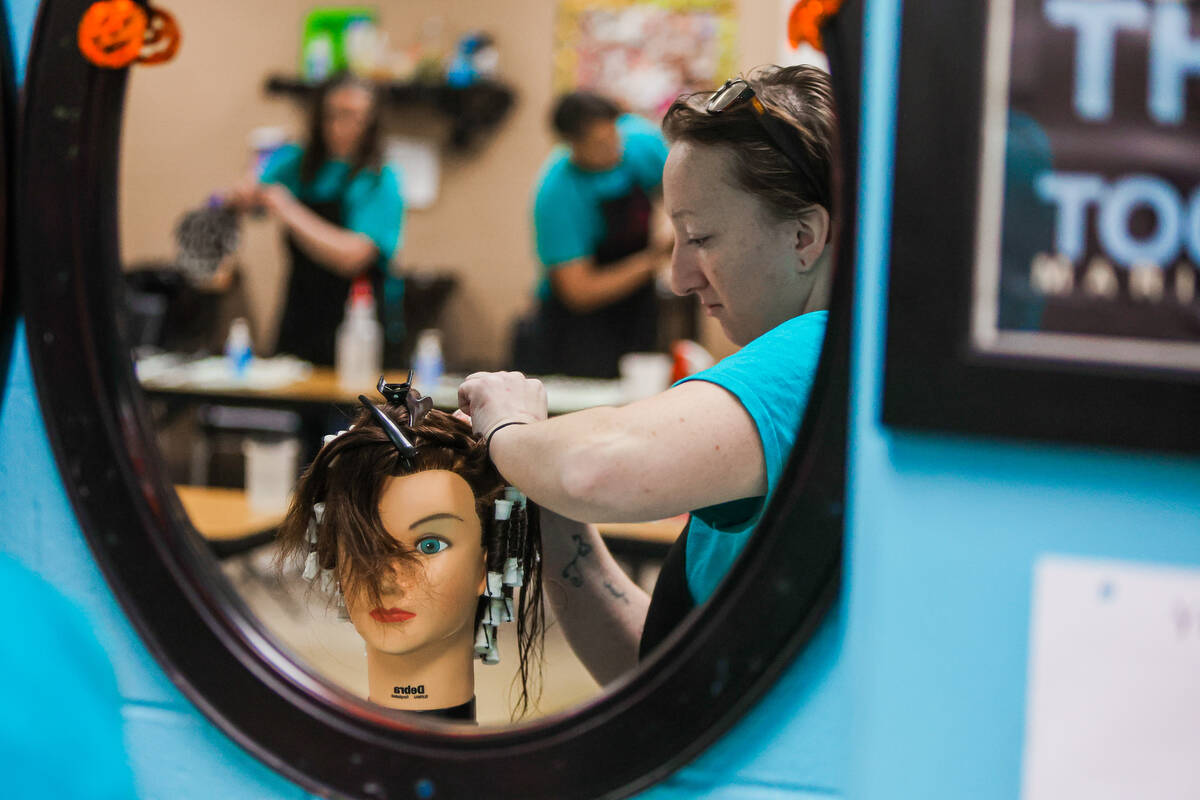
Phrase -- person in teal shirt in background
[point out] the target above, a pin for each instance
(593, 208)
(343, 214)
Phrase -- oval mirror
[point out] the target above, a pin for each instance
(134, 333)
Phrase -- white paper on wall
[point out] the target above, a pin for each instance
(1113, 702)
(417, 162)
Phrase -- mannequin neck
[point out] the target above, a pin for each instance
(436, 676)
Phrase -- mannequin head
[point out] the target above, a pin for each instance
(408, 542)
(431, 603)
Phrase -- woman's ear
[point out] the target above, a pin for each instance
(812, 233)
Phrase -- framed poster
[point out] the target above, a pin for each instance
(1045, 263)
(644, 53)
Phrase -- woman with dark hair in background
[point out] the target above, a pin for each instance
(342, 212)
(748, 187)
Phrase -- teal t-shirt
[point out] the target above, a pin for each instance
(568, 220)
(772, 378)
(373, 202)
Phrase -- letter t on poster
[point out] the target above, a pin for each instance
(1113, 700)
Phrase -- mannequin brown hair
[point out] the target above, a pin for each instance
(348, 475)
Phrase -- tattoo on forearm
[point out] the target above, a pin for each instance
(572, 571)
(616, 592)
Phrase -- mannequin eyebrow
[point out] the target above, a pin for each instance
(432, 517)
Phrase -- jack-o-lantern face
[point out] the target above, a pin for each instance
(111, 33)
(804, 23)
(161, 40)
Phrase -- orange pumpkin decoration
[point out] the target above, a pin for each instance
(804, 23)
(111, 33)
(161, 40)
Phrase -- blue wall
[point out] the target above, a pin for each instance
(932, 635)
(945, 532)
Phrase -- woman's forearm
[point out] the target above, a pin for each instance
(582, 286)
(582, 465)
(601, 610)
(342, 251)
(689, 447)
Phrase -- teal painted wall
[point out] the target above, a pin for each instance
(945, 532)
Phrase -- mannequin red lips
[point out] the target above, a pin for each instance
(391, 615)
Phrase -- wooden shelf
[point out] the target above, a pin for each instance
(473, 110)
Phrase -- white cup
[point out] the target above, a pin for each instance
(270, 472)
(644, 374)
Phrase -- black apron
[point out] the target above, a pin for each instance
(588, 345)
(316, 297)
(671, 600)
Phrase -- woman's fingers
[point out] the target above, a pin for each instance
(490, 398)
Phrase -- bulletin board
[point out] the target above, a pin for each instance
(644, 53)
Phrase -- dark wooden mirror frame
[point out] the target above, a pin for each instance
(8, 115)
(694, 688)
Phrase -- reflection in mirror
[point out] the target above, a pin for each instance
(286, 241)
(405, 522)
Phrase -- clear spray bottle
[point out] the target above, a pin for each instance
(358, 350)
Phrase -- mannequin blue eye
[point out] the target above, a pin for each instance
(431, 545)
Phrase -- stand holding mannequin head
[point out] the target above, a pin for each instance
(415, 532)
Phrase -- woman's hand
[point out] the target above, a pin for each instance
(276, 198)
(244, 195)
(492, 399)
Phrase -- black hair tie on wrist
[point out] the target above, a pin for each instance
(488, 444)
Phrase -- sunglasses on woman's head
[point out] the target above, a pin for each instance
(735, 92)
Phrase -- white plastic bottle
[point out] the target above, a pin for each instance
(238, 350)
(358, 350)
(427, 360)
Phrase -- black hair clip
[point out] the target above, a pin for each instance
(407, 451)
(406, 394)
(394, 393)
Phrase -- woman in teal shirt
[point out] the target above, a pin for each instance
(342, 213)
(747, 185)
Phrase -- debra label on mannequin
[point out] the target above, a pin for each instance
(405, 521)
(748, 186)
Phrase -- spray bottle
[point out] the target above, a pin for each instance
(358, 352)
(427, 360)
(238, 351)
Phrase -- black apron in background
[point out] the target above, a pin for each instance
(588, 345)
(316, 298)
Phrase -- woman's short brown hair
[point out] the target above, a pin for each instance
(799, 96)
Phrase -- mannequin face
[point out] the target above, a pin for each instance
(431, 604)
